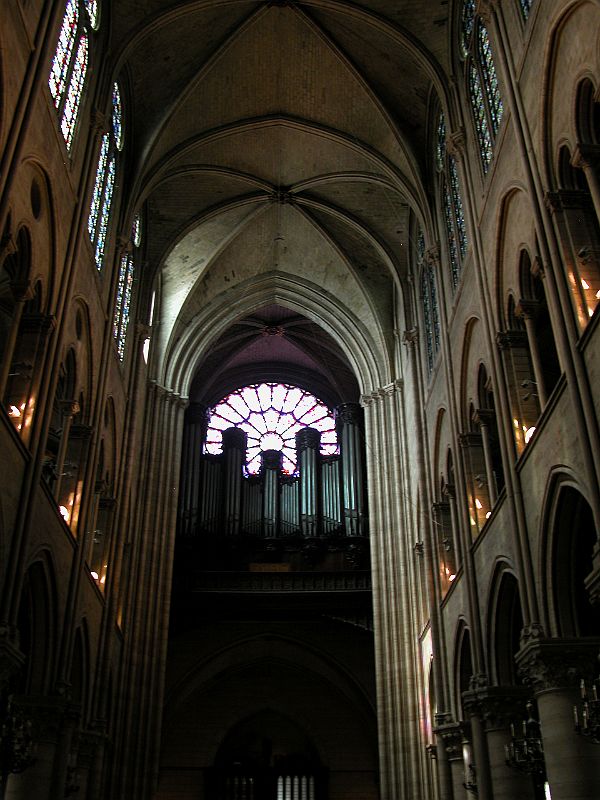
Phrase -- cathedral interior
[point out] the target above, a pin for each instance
(299, 399)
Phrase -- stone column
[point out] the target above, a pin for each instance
(350, 439)
(68, 409)
(234, 453)
(498, 707)
(553, 668)
(307, 448)
(451, 736)
(528, 310)
(484, 417)
(587, 158)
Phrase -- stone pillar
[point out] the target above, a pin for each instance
(307, 448)
(587, 158)
(68, 409)
(498, 707)
(270, 471)
(522, 385)
(553, 668)
(484, 417)
(528, 311)
(349, 435)
(234, 454)
(451, 736)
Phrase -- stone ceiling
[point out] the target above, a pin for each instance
(282, 138)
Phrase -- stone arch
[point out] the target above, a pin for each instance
(569, 536)
(366, 353)
(463, 667)
(37, 625)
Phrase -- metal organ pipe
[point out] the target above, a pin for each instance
(234, 455)
(347, 419)
(308, 441)
(270, 469)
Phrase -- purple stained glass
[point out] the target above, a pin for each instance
(64, 52)
(73, 96)
(271, 414)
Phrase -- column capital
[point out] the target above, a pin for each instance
(410, 337)
(497, 706)
(456, 143)
(432, 255)
(308, 437)
(564, 199)
(68, 408)
(470, 439)
(452, 735)
(527, 308)
(506, 340)
(98, 121)
(586, 156)
(485, 9)
(548, 664)
(484, 417)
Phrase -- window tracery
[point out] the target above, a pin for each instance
(100, 206)
(525, 8)
(482, 82)
(271, 414)
(69, 65)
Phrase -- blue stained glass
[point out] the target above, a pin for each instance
(271, 414)
(64, 52)
(105, 216)
(490, 79)
(117, 117)
(98, 185)
(73, 98)
(467, 23)
(457, 206)
(481, 124)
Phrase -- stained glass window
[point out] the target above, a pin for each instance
(123, 302)
(69, 69)
(490, 79)
(456, 231)
(482, 82)
(136, 231)
(271, 414)
(101, 203)
(91, 6)
(468, 20)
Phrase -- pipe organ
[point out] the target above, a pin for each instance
(325, 498)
